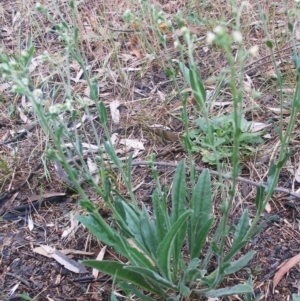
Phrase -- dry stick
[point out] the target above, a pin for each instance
(212, 172)
(18, 137)
(120, 30)
(269, 55)
(215, 173)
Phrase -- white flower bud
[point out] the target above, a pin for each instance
(37, 93)
(54, 109)
(184, 30)
(254, 50)
(210, 38)
(237, 36)
(219, 30)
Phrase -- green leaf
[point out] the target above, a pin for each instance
(260, 192)
(271, 175)
(115, 268)
(98, 227)
(24, 297)
(103, 114)
(228, 291)
(250, 296)
(27, 59)
(178, 207)
(113, 297)
(209, 252)
(88, 206)
(138, 258)
(160, 215)
(128, 287)
(178, 192)
(165, 248)
(185, 72)
(148, 231)
(184, 290)
(130, 217)
(269, 44)
(94, 95)
(191, 273)
(200, 238)
(198, 88)
(129, 162)
(241, 229)
(240, 263)
(234, 250)
(151, 275)
(107, 189)
(260, 227)
(200, 220)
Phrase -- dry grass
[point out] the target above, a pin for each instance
(129, 62)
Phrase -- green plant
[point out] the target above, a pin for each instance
(167, 251)
(222, 129)
(156, 261)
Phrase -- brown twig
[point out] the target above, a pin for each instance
(18, 137)
(215, 173)
(120, 30)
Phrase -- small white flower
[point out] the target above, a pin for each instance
(219, 30)
(68, 105)
(237, 36)
(245, 4)
(176, 44)
(37, 93)
(45, 56)
(254, 50)
(210, 38)
(256, 94)
(127, 16)
(184, 30)
(54, 109)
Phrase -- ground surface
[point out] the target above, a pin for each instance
(126, 72)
